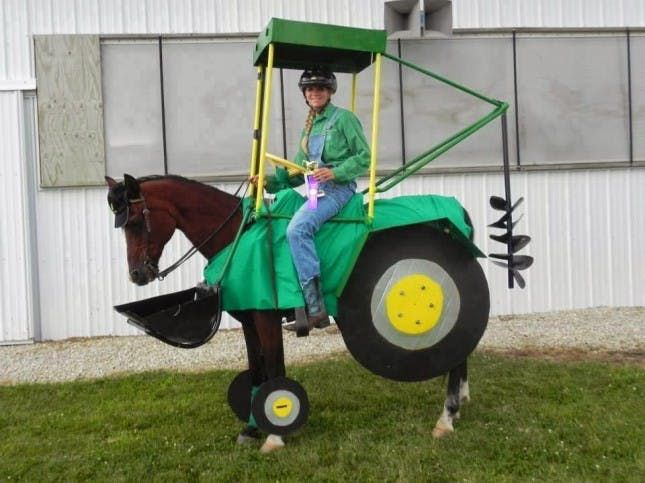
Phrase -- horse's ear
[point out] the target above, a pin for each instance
(110, 182)
(131, 186)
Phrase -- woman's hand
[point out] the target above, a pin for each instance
(324, 174)
(254, 180)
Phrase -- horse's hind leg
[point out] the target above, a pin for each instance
(464, 389)
(456, 393)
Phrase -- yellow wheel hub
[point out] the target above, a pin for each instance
(414, 304)
(282, 407)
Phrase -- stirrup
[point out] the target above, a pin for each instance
(303, 324)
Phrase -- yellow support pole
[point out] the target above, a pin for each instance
(265, 128)
(353, 105)
(374, 148)
(256, 125)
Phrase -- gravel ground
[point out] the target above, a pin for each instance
(582, 332)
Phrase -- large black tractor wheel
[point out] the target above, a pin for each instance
(415, 305)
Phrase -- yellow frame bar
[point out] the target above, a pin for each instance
(292, 168)
(265, 127)
(256, 125)
(374, 148)
(353, 104)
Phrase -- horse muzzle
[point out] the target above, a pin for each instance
(145, 274)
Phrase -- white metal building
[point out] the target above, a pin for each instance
(63, 266)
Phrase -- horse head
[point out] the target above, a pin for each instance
(146, 220)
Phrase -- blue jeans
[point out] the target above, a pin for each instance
(305, 224)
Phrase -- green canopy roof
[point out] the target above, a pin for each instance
(300, 45)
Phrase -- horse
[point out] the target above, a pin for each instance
(150, 209)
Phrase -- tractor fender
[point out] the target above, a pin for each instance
(443, 213)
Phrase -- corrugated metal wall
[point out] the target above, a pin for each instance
(15, 283)
(587, 225)
(495, 14)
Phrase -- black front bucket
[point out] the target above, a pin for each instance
(185, 319)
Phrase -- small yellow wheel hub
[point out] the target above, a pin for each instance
(414, 304)
(282, 407)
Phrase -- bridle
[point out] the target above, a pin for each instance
(148, 263)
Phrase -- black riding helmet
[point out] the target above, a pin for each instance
(318, 76)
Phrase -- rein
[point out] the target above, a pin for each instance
(160, 275)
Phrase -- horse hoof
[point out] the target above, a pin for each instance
(439, 433)
(248, 435)
(272, 443)
(245, 440)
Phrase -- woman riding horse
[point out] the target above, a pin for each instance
(334, 146)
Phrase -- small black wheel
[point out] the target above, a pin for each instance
(415, 305)
(239, 395)
(281, 406)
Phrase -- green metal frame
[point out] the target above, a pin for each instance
(387, 182)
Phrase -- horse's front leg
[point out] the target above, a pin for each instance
(250, 433)
(456, 393)
(267, 327)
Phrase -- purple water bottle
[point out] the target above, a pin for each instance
(312, 192)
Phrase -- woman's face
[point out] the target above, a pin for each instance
(317, 97)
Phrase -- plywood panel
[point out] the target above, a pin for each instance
(70, 115)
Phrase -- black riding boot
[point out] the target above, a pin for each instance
(316, 311)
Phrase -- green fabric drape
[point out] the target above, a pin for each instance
(249, 282)
(261, 269)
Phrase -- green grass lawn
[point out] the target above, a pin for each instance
(528, 420)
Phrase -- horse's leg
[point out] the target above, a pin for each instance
(456, 393)
(268, 326)
(250, 432)
(464, 390)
